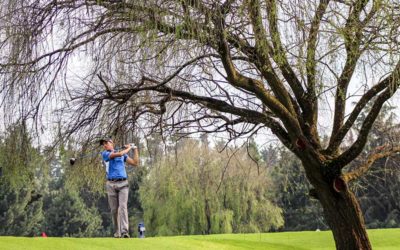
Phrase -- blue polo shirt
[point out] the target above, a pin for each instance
(115, 168)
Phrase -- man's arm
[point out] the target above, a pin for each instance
(120, 153)
(135, 160)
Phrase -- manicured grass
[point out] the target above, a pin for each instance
(381, 239)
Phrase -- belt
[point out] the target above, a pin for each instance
(117, 179)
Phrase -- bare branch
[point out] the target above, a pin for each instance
(379, 153)
(353, 37)
(337, 139)
(358, 145)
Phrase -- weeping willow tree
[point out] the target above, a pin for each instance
(205, 191)
(291, 67)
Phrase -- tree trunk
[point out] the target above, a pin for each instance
(345, 218)
(208, 216)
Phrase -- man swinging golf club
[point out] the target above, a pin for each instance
(117, 184)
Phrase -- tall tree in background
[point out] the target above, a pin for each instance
(291, 190)
(75, 219)
(20, 192)
(213, 66)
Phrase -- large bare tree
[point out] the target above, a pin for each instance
(212, 66)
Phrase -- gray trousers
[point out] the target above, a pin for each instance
(117, 193)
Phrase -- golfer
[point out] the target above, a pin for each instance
(117, 184)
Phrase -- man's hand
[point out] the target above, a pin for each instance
(129, 146)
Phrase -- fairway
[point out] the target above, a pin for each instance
(380, 238)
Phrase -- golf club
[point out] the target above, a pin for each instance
(73, 160)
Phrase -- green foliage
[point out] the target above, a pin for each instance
(291, 191)
(89, 168)
(20, 210)
(221, 221)
(68, 215)
(135, 210)
(202, 192)
(19, 159)
(20, 197)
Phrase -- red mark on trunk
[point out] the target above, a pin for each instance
(339, 185)
(300, 144)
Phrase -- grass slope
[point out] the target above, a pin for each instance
(387, 239)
